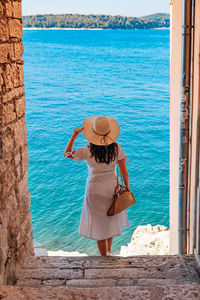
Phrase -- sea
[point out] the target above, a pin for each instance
(71, 75)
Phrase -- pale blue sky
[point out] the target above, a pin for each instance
(112, 7)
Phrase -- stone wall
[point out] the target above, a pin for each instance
(16, 240)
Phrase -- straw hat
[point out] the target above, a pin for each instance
(100, 130)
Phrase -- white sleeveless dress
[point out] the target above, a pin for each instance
(100, 186)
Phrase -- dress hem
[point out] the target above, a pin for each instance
(95, 239)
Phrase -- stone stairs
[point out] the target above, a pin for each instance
(92, 277)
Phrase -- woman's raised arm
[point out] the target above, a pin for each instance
(70, 144)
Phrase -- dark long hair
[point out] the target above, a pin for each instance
(103, 154)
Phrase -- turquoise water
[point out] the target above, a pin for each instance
(70, 75)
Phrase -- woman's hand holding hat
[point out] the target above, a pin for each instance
(77, 131)
(69, 147)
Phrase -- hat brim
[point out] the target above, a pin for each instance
(96, 139)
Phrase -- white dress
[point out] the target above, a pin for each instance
(100, 186)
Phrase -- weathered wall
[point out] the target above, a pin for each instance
(175, 96)
(15, 219)
(175, 91)
(195, 126)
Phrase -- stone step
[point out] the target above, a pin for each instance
(171, 292)
(96, 271)
(34, 262)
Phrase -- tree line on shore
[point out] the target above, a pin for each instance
(160, 20)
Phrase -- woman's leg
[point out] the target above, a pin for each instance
(109, 242)
(103, 247)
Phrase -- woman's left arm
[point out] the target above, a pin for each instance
(124, 171)
(70, 144)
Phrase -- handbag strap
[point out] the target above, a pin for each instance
(118, 172)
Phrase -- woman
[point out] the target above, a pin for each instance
(101, 155)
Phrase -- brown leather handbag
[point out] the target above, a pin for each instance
(122, 199)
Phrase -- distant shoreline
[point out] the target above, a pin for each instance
(58, 28)
(95, 22)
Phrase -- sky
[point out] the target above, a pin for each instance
(134, 8)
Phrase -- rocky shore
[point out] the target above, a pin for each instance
(146, 240)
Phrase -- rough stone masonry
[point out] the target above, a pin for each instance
(16, 239)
